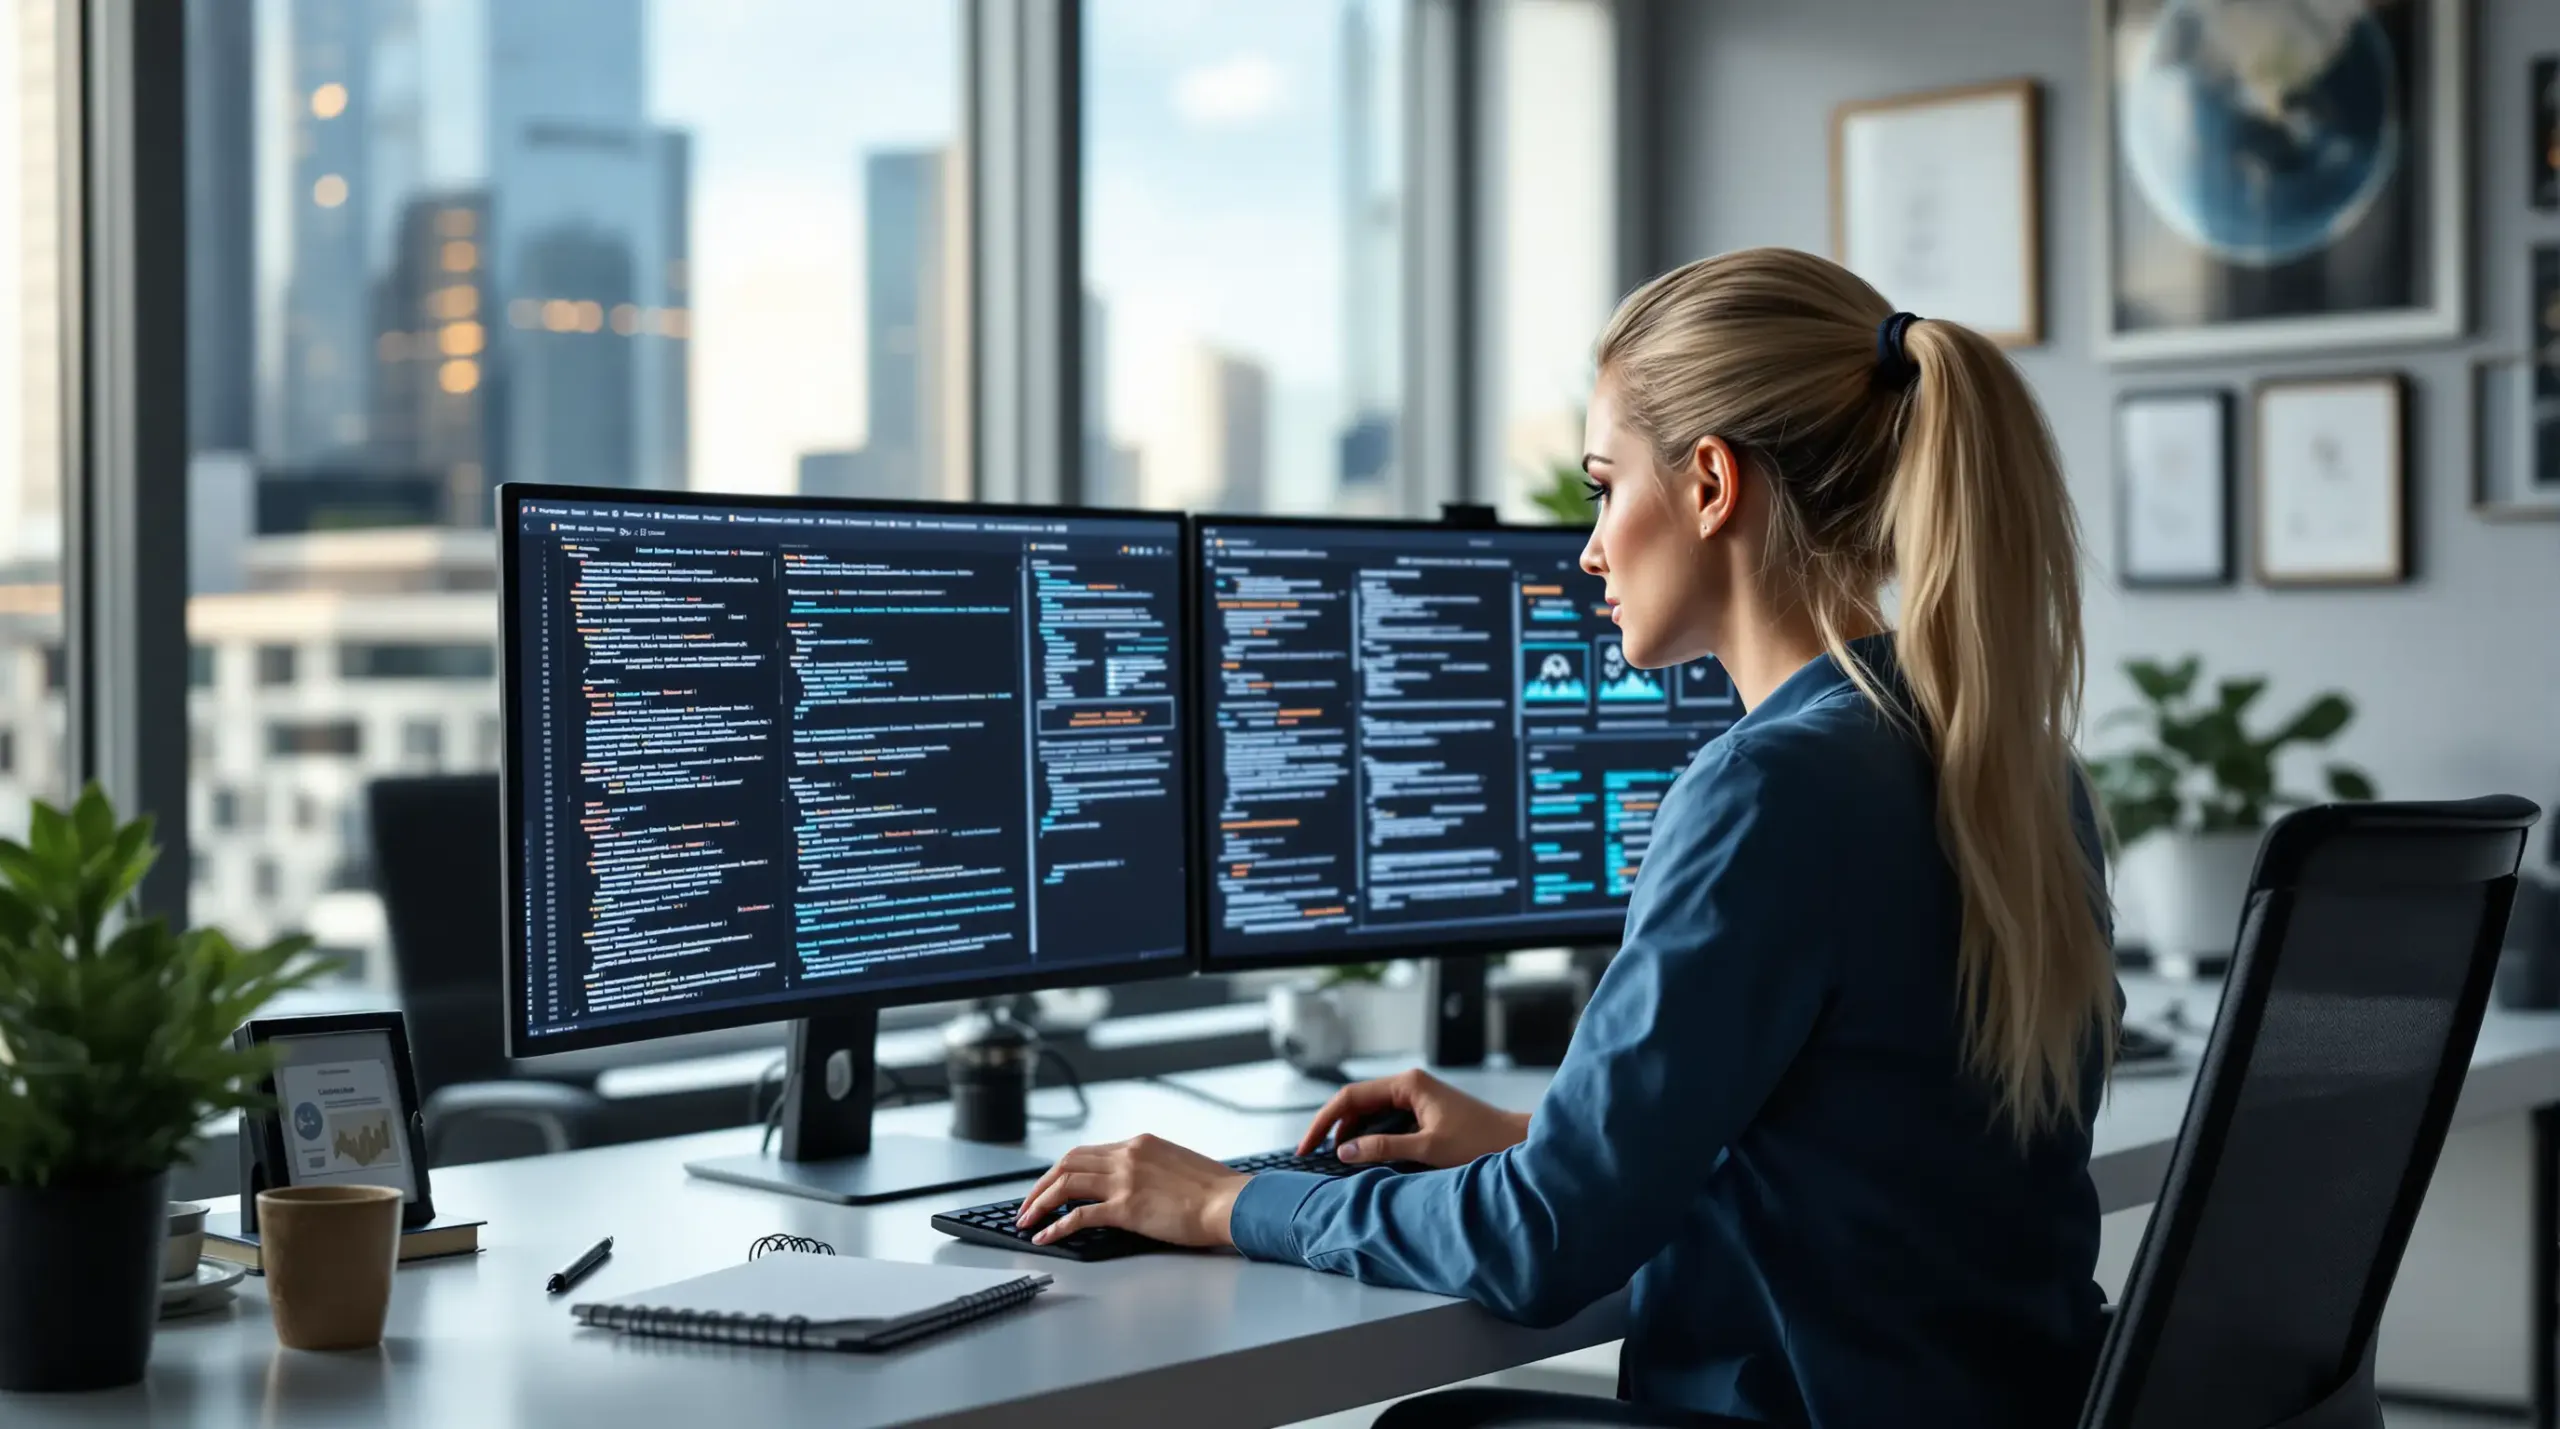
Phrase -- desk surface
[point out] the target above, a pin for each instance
(1190, 1339)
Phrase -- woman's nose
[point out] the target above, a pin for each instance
(1593, 562)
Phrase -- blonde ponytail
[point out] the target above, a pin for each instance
(1947, 486)
(1987, 556)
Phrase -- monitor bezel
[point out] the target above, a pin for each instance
(520, 1040)
(1608, 932)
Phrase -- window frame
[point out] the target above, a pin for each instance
(126, 649)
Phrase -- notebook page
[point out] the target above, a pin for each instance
(824, 1289)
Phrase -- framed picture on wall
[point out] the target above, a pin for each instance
(2546, 133)
(2173, 488)
(2279, 177)
(1936, 199)
(2331, 480)
(2515, 442)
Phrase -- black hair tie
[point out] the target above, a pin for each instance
(1894, 367)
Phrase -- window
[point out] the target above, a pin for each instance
(422, 740)
(200, 667)
(32, 709)
(306, 812)
(1243, 241)
(223, 811)
(417, 661)
(433, 247)
(314, 737)
(200, 747)
(275, 664)
(1553, 237)
(266, 879)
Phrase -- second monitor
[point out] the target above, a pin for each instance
(1423, 739)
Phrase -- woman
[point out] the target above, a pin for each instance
(1829, 1106)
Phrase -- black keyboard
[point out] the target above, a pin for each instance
(992, 1224)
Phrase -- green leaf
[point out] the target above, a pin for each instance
(2350, 783)
(2236, 695)
(2158, 685)
(2319, 721)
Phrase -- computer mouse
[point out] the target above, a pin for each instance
(1394, 1121)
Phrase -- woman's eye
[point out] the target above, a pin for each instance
(1596, 490)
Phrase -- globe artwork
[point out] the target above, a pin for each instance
(2262, 130)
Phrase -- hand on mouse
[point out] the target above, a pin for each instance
(1452, 1128)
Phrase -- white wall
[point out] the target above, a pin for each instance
(2456, 676)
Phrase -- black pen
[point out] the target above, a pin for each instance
(577, 1271)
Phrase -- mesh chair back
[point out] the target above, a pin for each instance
(436, 865)
(2365, 956)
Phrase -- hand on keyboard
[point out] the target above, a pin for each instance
(1145, 1184)
(999, 1223)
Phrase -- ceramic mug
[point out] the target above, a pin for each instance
(328, 1252)
(185, 1245)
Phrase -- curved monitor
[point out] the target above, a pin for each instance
(1422, 739)
(765, 755)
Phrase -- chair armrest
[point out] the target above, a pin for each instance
(567, 1117)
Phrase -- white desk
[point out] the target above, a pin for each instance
(1161, 1339)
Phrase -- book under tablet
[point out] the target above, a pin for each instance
(804, 1301)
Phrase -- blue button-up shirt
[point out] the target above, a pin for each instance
(1764, 1120)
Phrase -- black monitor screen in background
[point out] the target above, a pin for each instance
(767, 754)
(1422, 737)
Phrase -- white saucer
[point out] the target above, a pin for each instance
(201, 1291)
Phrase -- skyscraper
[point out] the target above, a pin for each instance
(1110, 469)
(434, 376)
(355, 131)
(1217, 453)
(586, 250)
(1370, 255)
(914, 344)
(222, 350)
(908, 286)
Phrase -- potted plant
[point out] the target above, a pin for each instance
(2205, 785)
(115, 1046)
(1563, 497)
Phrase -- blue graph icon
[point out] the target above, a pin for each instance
(1623, 684)
(306, 1121)
(1552, 675)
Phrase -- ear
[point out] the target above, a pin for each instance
(1713, 487)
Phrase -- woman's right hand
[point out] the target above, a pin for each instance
(1453, 1128)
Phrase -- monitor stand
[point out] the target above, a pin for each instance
(828, 1152)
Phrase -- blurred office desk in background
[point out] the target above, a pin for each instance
(1155, 1339)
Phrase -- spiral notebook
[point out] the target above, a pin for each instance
(822, 1302)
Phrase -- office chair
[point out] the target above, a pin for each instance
(2366, 951)
(436, 865)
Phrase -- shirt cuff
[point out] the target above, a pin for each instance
(1263, 1224)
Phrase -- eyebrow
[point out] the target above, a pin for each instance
(1589, 457)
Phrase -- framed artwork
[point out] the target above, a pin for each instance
(2515, 443)
(2279, 177)
(2173, 489)
(2331, 480)
(2516, 411)
(2546, 133)
(1936, 199)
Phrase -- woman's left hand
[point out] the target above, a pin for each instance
(1145, 1184)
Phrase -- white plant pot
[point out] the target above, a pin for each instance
(1319, 1027)
(2198, 887)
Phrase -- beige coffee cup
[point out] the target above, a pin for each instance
(328, 1252)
